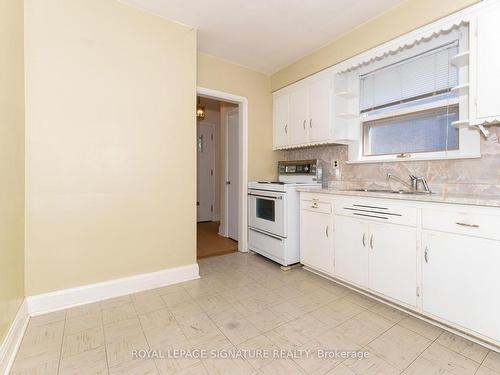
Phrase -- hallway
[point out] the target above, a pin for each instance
(210, 243)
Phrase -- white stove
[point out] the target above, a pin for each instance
(278, 185)
(273, 210)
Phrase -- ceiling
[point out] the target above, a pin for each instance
(266, 35)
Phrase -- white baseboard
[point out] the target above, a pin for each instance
(66, 298)
(12, 341)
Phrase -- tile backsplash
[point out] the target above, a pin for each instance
(461, 176)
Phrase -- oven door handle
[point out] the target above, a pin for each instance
(266, 233)
(265, 196)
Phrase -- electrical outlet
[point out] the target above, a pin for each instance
(335, 164)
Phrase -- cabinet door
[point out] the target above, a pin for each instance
(461, 281)
(316, 240)
(485, 64)
(393, 261)
(299, 117)
(351, 251)
(319, 110)
(281, 120)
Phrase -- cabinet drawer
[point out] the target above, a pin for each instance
(463, 221)
(377, 210)
(316, 205)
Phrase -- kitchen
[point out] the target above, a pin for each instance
(368, 188)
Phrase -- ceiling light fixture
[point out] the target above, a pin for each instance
(200, 111)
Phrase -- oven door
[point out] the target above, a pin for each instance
(266, 211)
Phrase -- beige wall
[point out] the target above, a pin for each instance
(11, 162)
(405, 17)
(110, 99)
(225, 76)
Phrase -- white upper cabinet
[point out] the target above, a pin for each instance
(485, 78)
(299, 115)
(320, 98)
(307, 109)
(281, 120)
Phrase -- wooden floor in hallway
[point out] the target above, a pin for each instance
(210, 243)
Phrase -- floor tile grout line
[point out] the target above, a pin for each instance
(144, 333)
(62, 342)
(381, 334)
(456, 352)
(420, 355)
(105, 341)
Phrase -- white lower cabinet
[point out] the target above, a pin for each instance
(393, 261)
(439, 260)
(461, 281)
(351, 251)
(374, 255)
(316, 234)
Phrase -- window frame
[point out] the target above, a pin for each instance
(469, 139)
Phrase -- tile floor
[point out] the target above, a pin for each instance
(245, 302)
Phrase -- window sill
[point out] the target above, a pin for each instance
(374, 159)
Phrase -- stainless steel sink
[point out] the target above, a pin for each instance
(390, 191)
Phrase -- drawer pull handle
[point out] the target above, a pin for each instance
(364, 240)
(426, 254)
(468, 225)
(315, 205)
(371, 241)
(326, 231)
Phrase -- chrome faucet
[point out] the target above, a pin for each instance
(394, 177)
(413, 185)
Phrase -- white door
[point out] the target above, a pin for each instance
(319, 109)
(461, 279)
(486, 64)
(393, 256)
(281, 120)
(232, 173)
(316, 240)
(299, 116)
(351, 250)
(205, 182)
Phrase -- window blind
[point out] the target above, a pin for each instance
(428, 74)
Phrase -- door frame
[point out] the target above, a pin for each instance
(212, 165)
(225, 229)
(242, 103)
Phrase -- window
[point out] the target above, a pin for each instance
(265, 209)
(426, 131)
(412, 101)
(409, 107)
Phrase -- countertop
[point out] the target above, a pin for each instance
(469, 199)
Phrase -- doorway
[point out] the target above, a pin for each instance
(218, 177)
